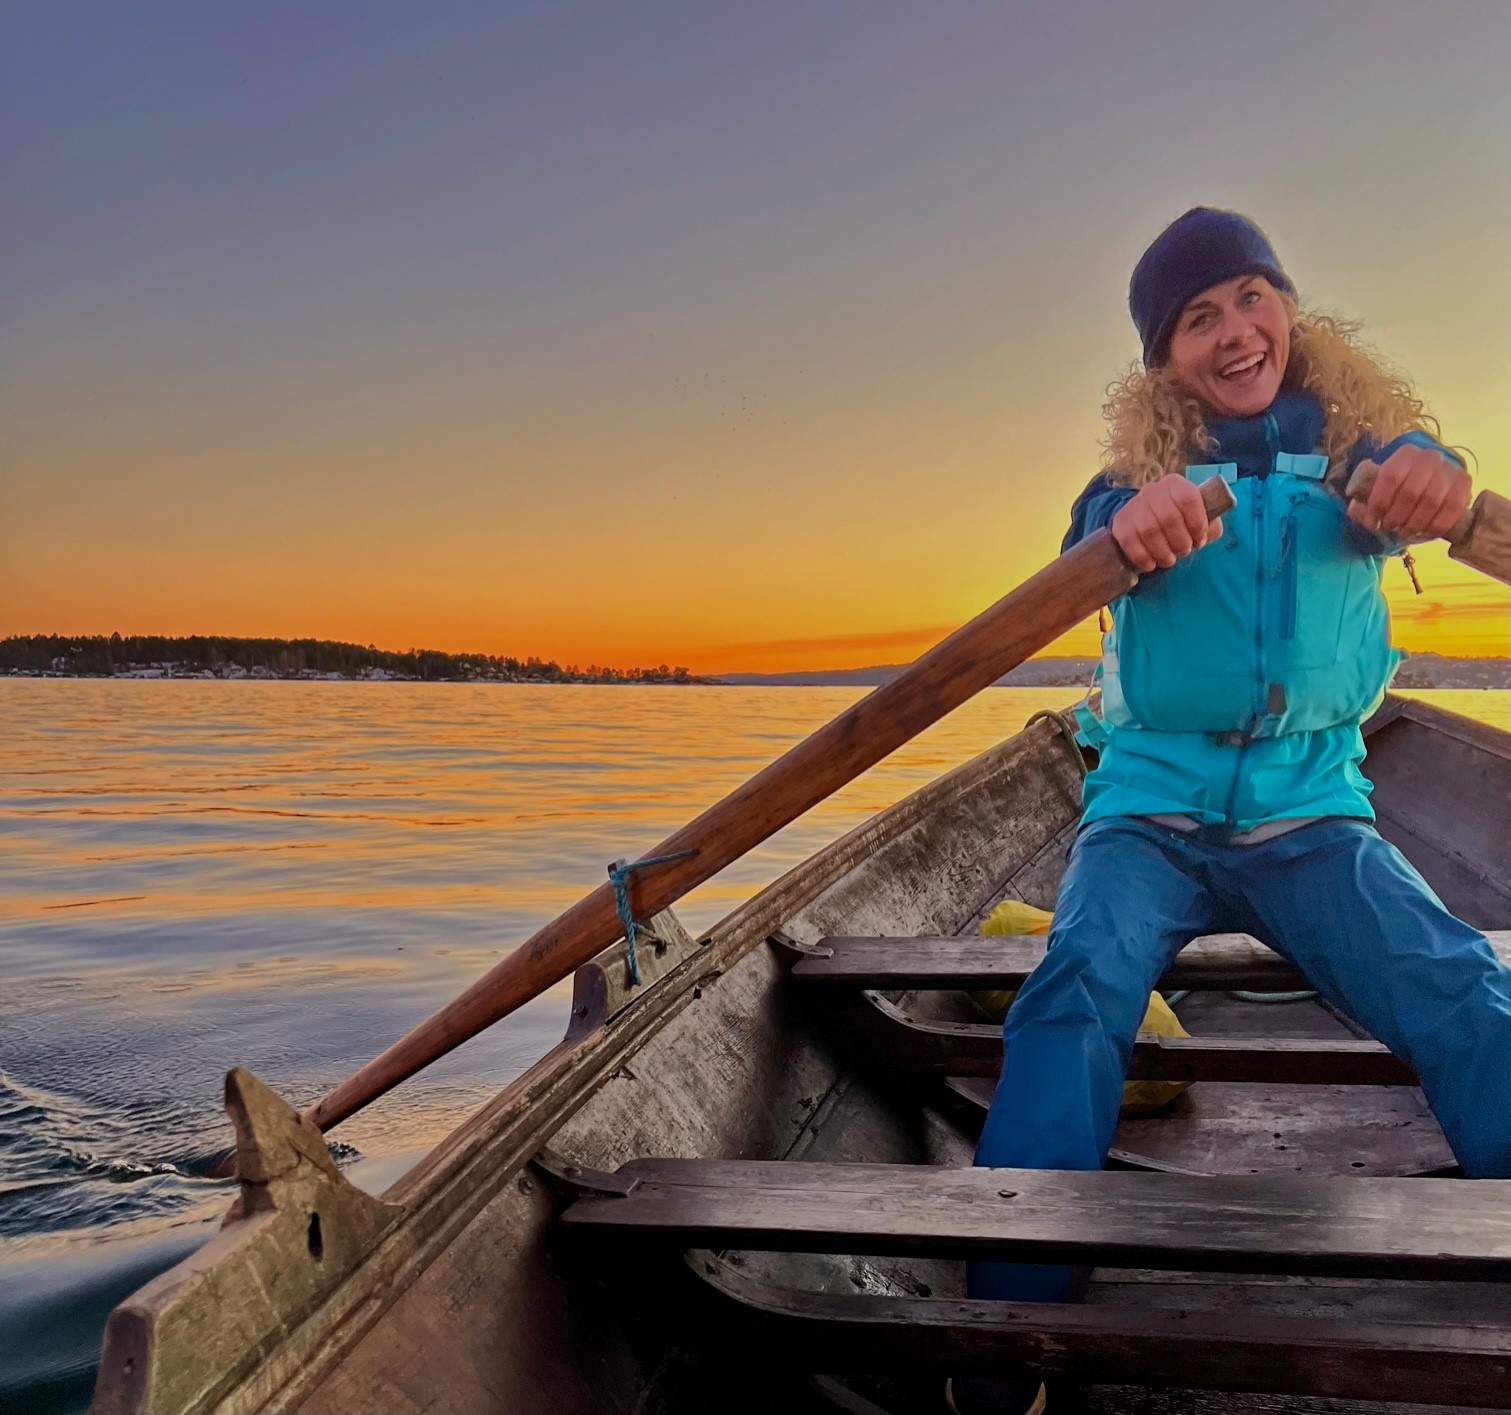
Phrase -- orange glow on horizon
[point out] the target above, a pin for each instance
(1457, 619)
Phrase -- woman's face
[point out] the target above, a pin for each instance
(1230, 346)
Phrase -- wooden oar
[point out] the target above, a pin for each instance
(1020, 624)
(1080, 582)
(1480, 538)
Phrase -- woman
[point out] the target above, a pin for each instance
(1228, 797)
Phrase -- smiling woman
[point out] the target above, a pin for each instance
(1228, 795)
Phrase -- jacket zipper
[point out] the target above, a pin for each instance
(1261, 498)
(1288, 570)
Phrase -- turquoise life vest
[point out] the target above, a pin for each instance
(1279, 627)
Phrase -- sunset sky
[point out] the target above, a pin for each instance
(748, 337)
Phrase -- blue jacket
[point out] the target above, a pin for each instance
(1234, 683)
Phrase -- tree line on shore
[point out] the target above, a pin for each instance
(101, 656)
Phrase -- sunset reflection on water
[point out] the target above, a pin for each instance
(289, 875)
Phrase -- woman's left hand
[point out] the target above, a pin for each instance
(1418, 493)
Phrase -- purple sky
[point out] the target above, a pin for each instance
(410, 322)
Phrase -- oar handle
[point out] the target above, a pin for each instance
(1480, 538)
(1028, 619)
(1217, 496)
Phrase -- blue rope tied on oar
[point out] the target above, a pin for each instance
(620, 873)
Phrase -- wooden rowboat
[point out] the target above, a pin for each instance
(743, 1183)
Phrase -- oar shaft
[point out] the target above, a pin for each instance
(973, 657)
(1485, 544)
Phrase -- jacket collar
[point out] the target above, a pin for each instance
(1292, 423)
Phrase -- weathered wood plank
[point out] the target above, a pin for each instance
(1136, 1345)
(1005, 961)
(1384, 1131)
(1216, 962)
(887, 1036)
(1424, 1228)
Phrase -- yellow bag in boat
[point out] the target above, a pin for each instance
(1013, 916)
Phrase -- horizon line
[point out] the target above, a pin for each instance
(565, 666)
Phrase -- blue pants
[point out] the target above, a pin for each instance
(1338, 901)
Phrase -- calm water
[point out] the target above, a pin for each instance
(288, 876)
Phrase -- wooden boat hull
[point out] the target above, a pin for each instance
(456, 1292)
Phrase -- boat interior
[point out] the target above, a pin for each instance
(745, 1182)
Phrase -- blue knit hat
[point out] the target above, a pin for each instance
(1193, 253)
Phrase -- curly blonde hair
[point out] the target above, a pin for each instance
(1153, 426)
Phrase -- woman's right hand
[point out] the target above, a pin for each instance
(1165, 521)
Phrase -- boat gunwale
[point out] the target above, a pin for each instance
(1472, 733)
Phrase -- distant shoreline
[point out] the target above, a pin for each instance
(211, 656)
(1486, 674)
(203, 658)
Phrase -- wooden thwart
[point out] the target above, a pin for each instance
(1238, 1129)
(888, 1036)
(1400, 1228)
(1214, 963)
(1005, 961)
(1327, 1356)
